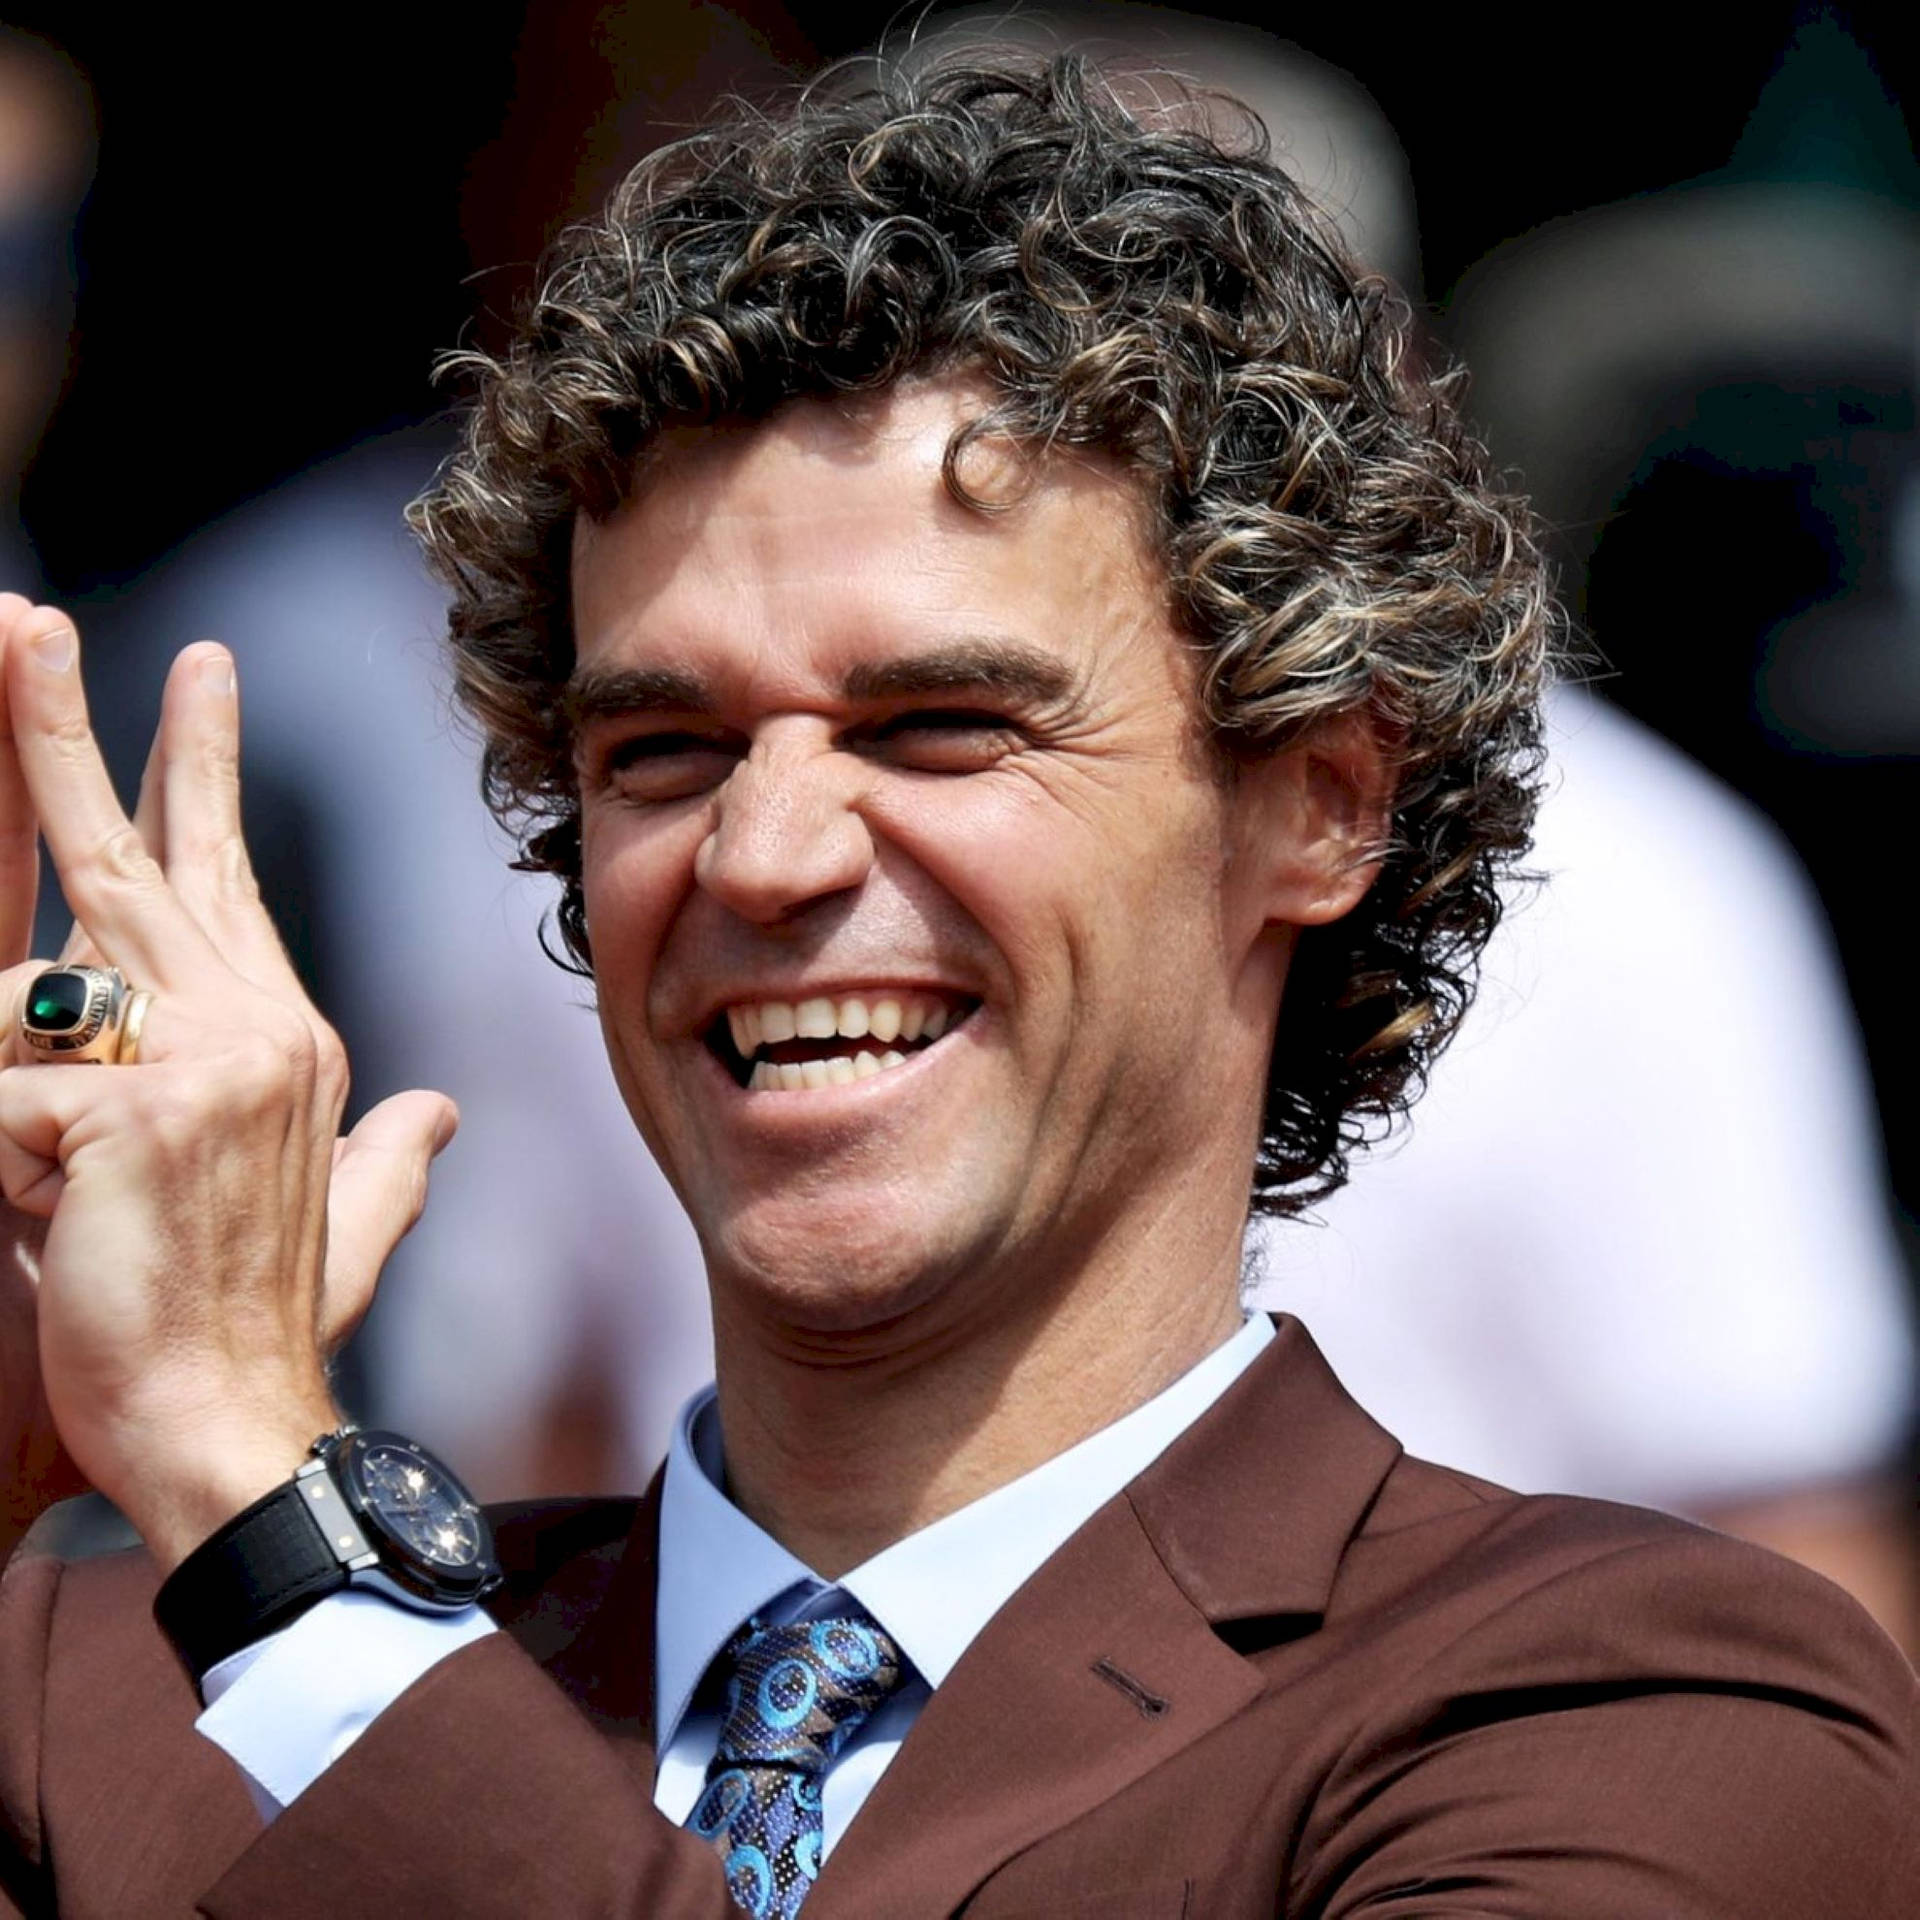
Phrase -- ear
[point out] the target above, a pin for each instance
(1312, 822)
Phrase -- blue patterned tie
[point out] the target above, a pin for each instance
(796, 1696)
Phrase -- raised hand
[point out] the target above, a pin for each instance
(187, 1300)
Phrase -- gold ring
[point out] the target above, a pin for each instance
(81, 1014)
(132, 1024)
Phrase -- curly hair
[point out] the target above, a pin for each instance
(1127, 278)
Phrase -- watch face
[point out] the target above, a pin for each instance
(418, 1504)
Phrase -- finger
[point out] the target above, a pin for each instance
(77, 950)
(51, 1107)
(148, 822)
(116, 889)
(31, 1182)
(19, 832)
(203, 845)
(38, 1106)
(379, 1190)
(150, 807)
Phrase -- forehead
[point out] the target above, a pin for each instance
(785, 552)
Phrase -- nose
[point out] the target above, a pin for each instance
(787, 830)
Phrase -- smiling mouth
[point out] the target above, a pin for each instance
(789, 1046)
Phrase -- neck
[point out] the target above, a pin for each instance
(838, 1455)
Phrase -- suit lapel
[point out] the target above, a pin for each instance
(1096, 1671)
(1253, 1506)
(1107, 1662)
(584, 1609)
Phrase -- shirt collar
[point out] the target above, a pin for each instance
(717, 1567)
(933, 1591)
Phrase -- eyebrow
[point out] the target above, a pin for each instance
(604, 693)
(1006, 667)
(1009, 668)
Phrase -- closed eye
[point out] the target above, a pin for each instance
(942, 740)
(664, 765)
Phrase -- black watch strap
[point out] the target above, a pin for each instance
(260, 1571)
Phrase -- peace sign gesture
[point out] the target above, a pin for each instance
(208, 1236)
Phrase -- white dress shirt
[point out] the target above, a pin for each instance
(286, 1709)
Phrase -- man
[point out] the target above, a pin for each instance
(1027, 696)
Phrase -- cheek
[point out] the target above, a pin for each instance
(1101, 902)
(1150, 950)
(996, 854)
(633, 875)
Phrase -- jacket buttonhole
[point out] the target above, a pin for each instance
(1151, 1705)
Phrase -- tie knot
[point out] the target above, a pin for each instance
(799, 1693)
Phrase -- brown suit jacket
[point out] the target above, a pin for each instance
(1287, 1672)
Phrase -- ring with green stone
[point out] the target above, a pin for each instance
(76, 1014)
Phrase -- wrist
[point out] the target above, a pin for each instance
(178, 1503)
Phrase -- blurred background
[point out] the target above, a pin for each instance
(1652, 1233)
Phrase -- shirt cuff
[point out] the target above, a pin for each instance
(284, 1709)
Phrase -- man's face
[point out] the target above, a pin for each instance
(927, 949)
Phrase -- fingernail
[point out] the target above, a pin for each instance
(55, 650)
(216, 673)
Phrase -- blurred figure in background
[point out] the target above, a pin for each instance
(46, 161)
(1637, 1243)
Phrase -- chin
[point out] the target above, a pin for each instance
(839, 1270)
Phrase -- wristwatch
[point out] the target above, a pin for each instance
(372, 1511)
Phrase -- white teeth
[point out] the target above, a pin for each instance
(885, 1018)
(769, 1076)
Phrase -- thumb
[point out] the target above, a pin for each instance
(379, 1190)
